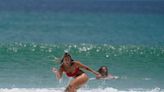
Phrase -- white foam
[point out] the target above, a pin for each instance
(80, 90)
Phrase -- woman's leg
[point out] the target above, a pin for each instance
(77, 82)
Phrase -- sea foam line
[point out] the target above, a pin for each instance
(108, 89)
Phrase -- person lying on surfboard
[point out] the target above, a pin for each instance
(103, 70)
(73, 69)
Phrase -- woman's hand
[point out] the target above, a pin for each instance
(57, 72)
(98, 76)
(54, 70)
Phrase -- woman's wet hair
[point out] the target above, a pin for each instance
(65, 55)
(103, 73)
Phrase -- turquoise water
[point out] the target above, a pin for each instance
(101, 28)
(28, 65)
(127, 37)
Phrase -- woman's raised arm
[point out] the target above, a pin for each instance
(86, 68)
(58, 73)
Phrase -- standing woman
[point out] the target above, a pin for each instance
(73, 69)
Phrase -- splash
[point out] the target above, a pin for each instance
(108, 89)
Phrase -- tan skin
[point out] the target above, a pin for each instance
(78, 80)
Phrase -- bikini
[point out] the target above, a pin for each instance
(74, 74)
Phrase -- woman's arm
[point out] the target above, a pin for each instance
(58, 73)
(87, 68)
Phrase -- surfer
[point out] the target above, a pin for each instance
(103, 70)
(73, 69)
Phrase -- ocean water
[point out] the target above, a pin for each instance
(96, 28)
(28, 65)
(126, 36)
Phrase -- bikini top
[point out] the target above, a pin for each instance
(73, 73)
